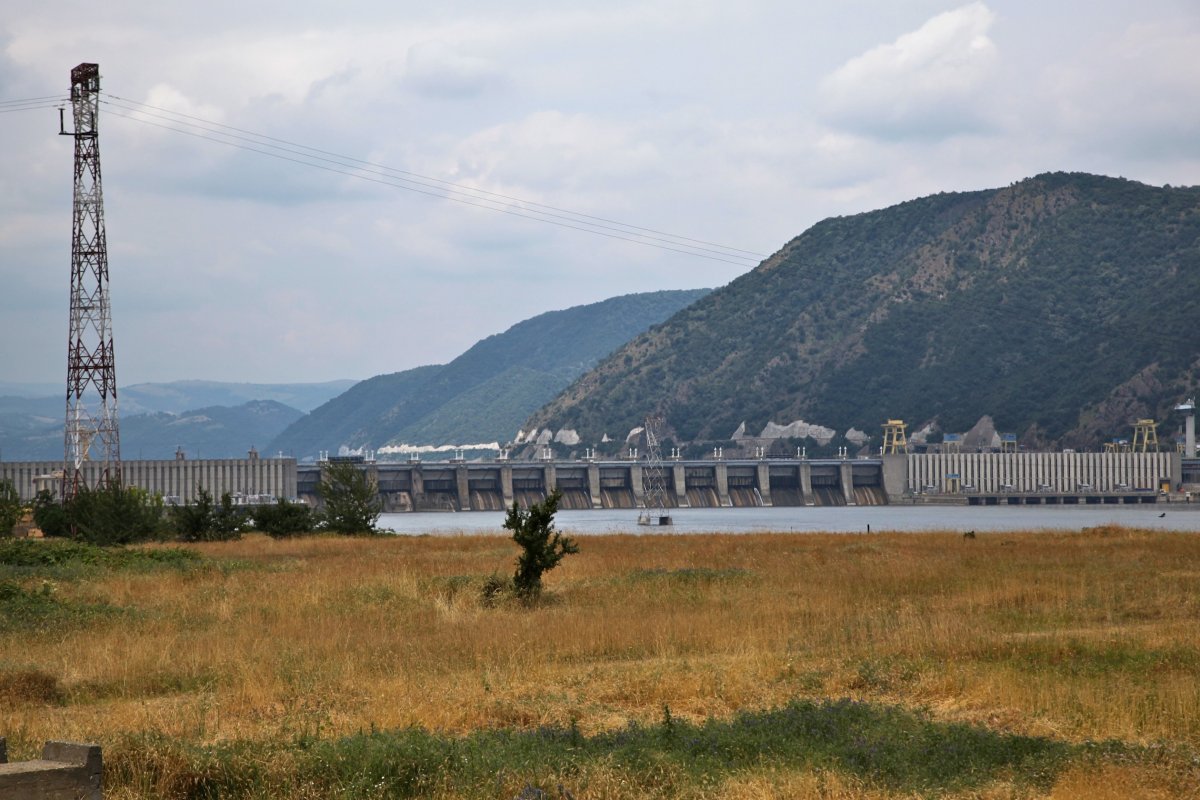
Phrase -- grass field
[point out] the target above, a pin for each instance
(1059, 665)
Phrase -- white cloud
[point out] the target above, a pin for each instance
(926, 84)
(435, 69)
(1135, 96)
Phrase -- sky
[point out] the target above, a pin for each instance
(738, 124)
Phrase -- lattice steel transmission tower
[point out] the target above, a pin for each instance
(91, 426)
(654, 481)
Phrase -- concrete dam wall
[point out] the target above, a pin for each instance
(497, 485)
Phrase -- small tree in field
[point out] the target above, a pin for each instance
(351, 498)
(542, 547)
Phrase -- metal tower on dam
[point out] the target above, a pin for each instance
(91, 423)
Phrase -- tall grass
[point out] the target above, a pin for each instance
(1063, 637)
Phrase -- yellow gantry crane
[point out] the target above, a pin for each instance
(1145, 436)
(894, 440)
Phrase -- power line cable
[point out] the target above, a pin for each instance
(462, 187)
(55, 97)
(40, 107)
(31, 104)
(263, 140)
(390, 182)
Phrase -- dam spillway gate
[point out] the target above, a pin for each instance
(494, 486)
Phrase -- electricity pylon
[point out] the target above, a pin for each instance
(91, 431)
(654, 484)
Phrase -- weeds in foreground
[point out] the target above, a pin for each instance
(40, 609)
(53, 556)
(882, 746)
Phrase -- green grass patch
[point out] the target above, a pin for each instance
(885, 674)
(150, 684)
(40, 609)
(1081, 658)
(884, 746)
(62, 558)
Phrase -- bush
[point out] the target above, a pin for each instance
(109, 515)
(49, 515)
(116, 514)
(284, 519)
(228, 521)
(11, 509)
(351, 498)
(192, 521)
(542, 547)
(205, 521)
(492, 591)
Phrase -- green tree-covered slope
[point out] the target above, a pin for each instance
(485, 393)
(1063, 306)
(213, 432)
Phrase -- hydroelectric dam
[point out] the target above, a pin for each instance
(942, 478)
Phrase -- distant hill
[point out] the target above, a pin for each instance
(213, 432)
(218, 420)
(179, 396)
(484, 394)
(1063, 306)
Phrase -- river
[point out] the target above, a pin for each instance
(876, 519)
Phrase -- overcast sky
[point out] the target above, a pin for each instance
(737, 123)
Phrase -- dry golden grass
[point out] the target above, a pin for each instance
(1076, 636)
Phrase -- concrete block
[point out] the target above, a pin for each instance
(66, 771)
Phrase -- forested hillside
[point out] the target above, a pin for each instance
(1063, 306)
(484, 394)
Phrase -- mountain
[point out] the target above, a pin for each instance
(1062, 306)
(213, 432)
(484, 394)
(179, 396)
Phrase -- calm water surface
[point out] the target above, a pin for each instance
(1177, 517)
